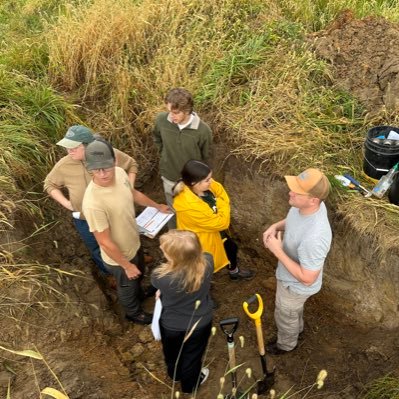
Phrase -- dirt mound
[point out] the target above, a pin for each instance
(365, 58)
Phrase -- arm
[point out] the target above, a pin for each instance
(112, 250)
(58, 196)
(273, 229)
(143, 200)
(156, 134)
(275, 244)
(128, 164)
(53, 183)
(132, 178)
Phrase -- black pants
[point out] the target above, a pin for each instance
(231, 249)
(189, 367)
(129, 291)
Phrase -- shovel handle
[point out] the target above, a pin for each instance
(256, 316)
(258, 313)
(229, 326)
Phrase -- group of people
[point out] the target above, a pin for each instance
(101, 195)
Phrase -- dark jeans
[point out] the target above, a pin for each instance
(90, 241)
(189, 367)
(129, 291)
(231, 249)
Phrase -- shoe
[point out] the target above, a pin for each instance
(242, 274)
(204, 375)
(141, 318)
(273, 349)
(273, 341)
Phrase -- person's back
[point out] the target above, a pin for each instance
(183, 282)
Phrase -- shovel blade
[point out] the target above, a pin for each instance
(266, 384)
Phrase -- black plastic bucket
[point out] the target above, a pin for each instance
(379, 157)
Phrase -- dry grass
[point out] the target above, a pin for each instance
(251, 70)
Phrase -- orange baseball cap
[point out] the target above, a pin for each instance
(311, 182)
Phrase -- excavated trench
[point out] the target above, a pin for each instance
(350, 326)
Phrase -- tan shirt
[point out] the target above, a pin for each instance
(75, 178)
(112, 207)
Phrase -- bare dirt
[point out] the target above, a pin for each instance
(365, 58)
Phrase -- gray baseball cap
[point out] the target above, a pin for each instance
(75, 136)
(99, 155)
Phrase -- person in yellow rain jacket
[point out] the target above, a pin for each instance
(203, 206)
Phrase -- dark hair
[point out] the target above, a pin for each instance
(180, 99)
(194, 171)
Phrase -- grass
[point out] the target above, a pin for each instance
(383, 388)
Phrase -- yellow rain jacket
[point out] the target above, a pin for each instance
(194, 214)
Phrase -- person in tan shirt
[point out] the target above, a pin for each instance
(70, 173)
(109, 208)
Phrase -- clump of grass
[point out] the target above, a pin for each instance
(383, 388)
(32, 116)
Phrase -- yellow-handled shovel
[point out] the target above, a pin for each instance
(268, 377)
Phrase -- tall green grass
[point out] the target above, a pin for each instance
(32, 117)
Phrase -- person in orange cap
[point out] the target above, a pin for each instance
(301, 254)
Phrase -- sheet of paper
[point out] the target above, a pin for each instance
(156, 331)
(151, 221)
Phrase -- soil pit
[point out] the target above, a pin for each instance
(95, 353)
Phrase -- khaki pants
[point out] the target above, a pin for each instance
(288, 315)
(167, 188)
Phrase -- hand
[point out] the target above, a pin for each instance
(271, 231)
(274, 243)
(132, 271)
(164, 208)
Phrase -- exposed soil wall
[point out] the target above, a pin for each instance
(359, 281)
(365, 58)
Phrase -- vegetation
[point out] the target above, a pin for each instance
(108, 63)
(384, 388)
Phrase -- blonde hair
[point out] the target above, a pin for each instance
(185, 260)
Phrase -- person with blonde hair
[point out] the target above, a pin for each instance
(184, 282)
(203, 206)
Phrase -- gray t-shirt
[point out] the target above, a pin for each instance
(307, 241)
(178, 306)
